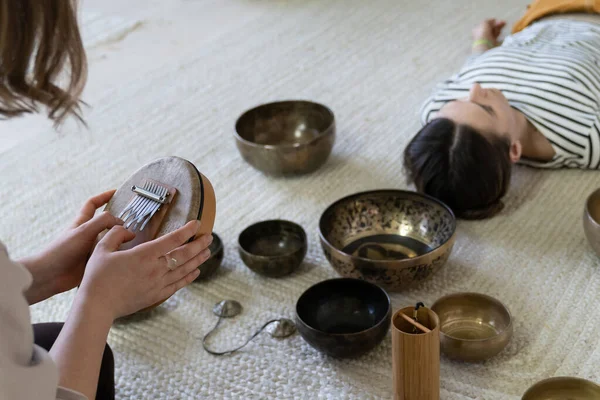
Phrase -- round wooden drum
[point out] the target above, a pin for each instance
(161, 197)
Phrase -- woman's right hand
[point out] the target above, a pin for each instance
(126, 281)
(489, 29)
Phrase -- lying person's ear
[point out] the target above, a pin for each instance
(516, 149)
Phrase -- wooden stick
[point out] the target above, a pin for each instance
(415, 323)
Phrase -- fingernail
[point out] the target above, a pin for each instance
(210, 239)
(197, 224)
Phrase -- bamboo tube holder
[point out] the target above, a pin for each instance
(416, 356)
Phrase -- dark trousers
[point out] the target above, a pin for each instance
(45, 335)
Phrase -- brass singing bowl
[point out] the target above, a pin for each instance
(287, 137)
(208, 267)
(473, 326)
(563, 388)
(273, 248)
(591, 221)
(343, 317)
(392, 238)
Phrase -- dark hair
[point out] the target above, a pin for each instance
(459, 166)
(42, 59)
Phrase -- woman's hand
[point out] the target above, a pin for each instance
(488, 31)
(126, 281)
(60, 266)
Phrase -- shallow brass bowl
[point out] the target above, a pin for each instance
(208, 268)
(343, 317)
(591, 221)
(563, 388)
(287, 137)
(392, 238)
(473, 326)
(273, 248)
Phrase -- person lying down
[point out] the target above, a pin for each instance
(534, 99)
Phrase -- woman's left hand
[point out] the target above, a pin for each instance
(489, 29)
(61, 265)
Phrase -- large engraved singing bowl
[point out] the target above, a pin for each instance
(591, 221)
(287, 137)
(392, 238)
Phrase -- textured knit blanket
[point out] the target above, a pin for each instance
(173, 80)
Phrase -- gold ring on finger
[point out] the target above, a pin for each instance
(171, 263)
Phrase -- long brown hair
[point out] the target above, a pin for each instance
(461, 167)
(42, 60)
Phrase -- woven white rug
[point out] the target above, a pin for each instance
(373, 63)
(98, 28)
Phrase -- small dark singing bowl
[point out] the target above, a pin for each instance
(563, 388)
(273, 248)
(473, 326)
(591, 221)
(287, 137)
(343, 317)
(214, 262)
(392, 238)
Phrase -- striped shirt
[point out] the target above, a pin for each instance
(550, 72)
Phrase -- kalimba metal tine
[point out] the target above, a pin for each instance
(138, 209)
(155, 190)
(129, 207)
(134, 211)
(150, 209)
(144, 205)
(163, 193)
(148, 215)
(133, 203)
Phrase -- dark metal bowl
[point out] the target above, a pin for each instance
(343, 317)
(287, 137)
(591, 221)
(393, 238)
(563, 388)
(473, 326)
(273, 248)
(214, 262)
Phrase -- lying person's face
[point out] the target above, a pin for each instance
(487, 111)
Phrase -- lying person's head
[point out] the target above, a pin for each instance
(464, 156)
